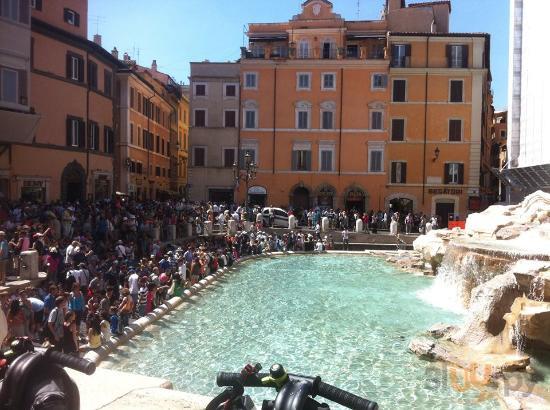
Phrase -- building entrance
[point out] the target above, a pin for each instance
(355, 201)
(73, 182)
(443, 210)
(300, 198)
(221, 196)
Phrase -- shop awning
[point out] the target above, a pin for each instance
(18, 127)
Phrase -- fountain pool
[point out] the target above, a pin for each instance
(348, 319)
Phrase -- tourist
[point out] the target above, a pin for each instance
(70, 334)
(113, 319)
(56, 322)
(4, 258)
(16, 320)
(77, 304)
(345, 239)
(94, 334)
(125, 309)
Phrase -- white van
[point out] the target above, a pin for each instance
(281, 217)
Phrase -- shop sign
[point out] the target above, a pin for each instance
(355, 195)
(445, 191)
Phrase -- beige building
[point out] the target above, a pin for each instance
(214, 132)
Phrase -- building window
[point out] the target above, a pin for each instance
(375, 160)
(157, 144)
(454, 173)
(107, 82)
(9, 85)
(401, 55)
(352, 51)
(250, 119)
(250, 80)
(397, 129)
(376, 120)
(456, 91)
(228, 157)
(303, 80)
(75, 132)
(327, 120)
(157, 171)
(301, 160)
(200, 90)
(92, 75)
(71, 17)
(502, 134)
(230, 119)
(199, 156)
(200, 118)
(455, 130)
(379, 81)
(230, 90)
(108, 140)
(132, 133)
(302, 119)
(75, 68)
(326, 158)
(328, 81)
(17, 10)
(399, 91)
(398, 172)
(457, 56)
(303, 49)
(93, 142)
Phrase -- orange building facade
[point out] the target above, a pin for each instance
(71, 154)
(365, 114)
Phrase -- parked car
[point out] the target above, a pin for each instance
(281, 217)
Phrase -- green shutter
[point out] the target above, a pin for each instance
(403, 172)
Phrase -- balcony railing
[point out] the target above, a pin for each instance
(319, 53)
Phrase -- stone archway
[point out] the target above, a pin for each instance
(325, 195)
(300, 197)
(355, 199)
(73, 182)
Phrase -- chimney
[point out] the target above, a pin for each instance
(114, 53)
(392, 5)
(126, 57)
(97, 39)
(154, 65)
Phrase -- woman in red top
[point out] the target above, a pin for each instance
(150, 298)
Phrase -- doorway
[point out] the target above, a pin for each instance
(355, 201)
(443, 210)
(300, 198)
(326, 50)
(73, 182)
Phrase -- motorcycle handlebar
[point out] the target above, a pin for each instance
(76, 363)
(325, 390)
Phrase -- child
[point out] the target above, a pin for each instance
(114, 321)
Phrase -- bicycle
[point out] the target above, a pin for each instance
(294, 392)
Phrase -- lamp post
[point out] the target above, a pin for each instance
(246, 174)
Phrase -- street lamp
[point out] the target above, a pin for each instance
(246, 174)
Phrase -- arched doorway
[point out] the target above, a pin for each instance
(355, 200)
(325, 196)
(73, 182)
(402, 205)
(257, 195)
(300, 198)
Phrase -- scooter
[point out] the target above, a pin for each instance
(294, 392)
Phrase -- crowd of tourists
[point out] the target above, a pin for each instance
(113, 261)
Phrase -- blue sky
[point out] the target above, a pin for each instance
(175, 32)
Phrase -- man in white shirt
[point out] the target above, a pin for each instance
(133, 285)
(345, 239)
(120, 250)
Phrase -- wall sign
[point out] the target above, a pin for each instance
(445, 191)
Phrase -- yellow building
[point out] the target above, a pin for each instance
(365, 114)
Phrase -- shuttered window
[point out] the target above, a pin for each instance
(399, 172)
(456, 91)
(75, 132)
(92, 75)
(108, 83)
(93, 136)
(301, 160)
(455, 130)
(397, 129)
(108, 140)
(399, 91)
(457, 55)
(401, 55)
(326, 160)
(200, 118)
(454, 173)
(71, 17)
(75, 67)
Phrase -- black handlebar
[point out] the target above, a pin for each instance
(75, 363)
(325, 390)
(345, 398)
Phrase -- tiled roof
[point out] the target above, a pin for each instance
(431, 3)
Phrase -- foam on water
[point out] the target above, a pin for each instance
(348, 319)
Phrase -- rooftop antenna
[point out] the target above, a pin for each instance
(244, 34)
(96, 20)
(358, 8)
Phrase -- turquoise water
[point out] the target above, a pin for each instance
(348, 319)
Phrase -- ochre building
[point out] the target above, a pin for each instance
(71, 153)
(366, 115)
